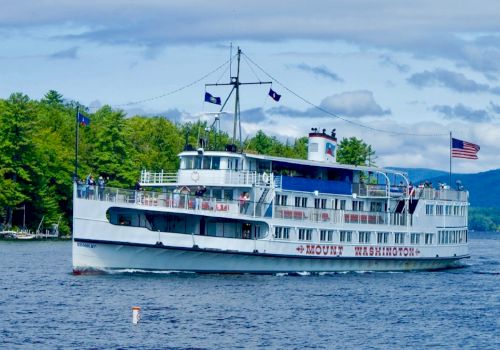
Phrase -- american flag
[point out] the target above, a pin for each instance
(464, 149)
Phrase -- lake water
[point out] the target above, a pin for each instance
(42, 305)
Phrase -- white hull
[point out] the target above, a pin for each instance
(93, 256)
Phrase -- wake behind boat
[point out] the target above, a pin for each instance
(229, 211)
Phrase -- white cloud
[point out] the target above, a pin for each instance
(354, 104)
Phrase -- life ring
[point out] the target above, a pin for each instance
(195, 176)
(265, 177)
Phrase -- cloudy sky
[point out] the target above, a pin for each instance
(400, 75)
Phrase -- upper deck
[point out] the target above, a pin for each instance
(235, 170)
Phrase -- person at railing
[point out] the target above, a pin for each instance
(100, 186)
(177, 197)
(244, 202)
(198, 196)
(80, 188)
(137, 192)
(90, 186)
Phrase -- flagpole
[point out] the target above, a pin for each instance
(451, 145)
(76, 142)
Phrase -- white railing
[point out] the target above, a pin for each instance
(190, 203)
(208, 177)
(440, 194)
(148, 177)
(339, 216)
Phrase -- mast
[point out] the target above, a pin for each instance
(235, 83)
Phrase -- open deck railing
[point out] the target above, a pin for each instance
(340, 216)
(440, 194)
(190, 203)
(209, 177)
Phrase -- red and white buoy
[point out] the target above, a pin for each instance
(136, 314)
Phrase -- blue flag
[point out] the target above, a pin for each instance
(274, 95)
(83, 120)
(212, 99)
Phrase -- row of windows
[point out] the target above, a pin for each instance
(452, 236)
(208, 162)
(322, 203)
(307, 234)
(448, 210)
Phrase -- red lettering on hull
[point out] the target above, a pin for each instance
(320, 249)
(338, 250)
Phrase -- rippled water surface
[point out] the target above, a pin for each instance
(44, 306)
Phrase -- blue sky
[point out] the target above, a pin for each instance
(423, 67)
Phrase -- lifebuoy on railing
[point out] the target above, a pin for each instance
(195, 176)
(265, 177)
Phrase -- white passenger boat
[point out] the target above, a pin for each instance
(264, 214)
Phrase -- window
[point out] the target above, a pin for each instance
(439, 210)
(188, 162)
(429, 209)
(376, 206)
(281, 199)
(282, 232)
(313, 147)
(301, 202)
(216, 193)
(320, 203)
(448, 210)
(429, 238)
(215, 163)
(305, 234)
(339, 204)
(232, 163)
(415, 238)
(364, 237)
(346, 236)
(228, 194)
(357, 206)
(399, 238)
(382, 237)
(326, 235)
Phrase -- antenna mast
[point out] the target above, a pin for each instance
(235, 82)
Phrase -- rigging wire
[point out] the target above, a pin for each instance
(173, 91)
(335, 115)
(251, 68)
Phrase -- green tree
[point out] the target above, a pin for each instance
(155, 143)
(105, 150)
(356, 152)
(17, 152)
(53, 98)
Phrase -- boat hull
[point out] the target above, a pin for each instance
(95, 255)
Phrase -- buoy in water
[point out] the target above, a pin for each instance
(136, 314)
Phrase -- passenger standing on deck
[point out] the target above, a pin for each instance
(242, 202)
(199, 194)
(177, 197)
(101, 184)
(247, 200)
(91, 184)
(137, 192)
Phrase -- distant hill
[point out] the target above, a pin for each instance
(421, 174)
(484, 187)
